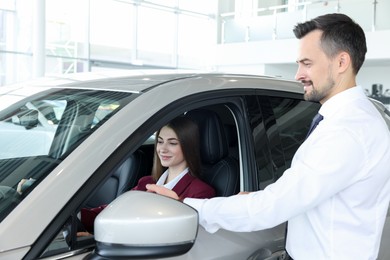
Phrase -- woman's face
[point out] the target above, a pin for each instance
(169, 149)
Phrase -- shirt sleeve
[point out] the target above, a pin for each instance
(321, 168)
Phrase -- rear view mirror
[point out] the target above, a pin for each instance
(27, 118)
(144, 225)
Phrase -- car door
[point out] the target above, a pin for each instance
(259, 151)
(224, 244)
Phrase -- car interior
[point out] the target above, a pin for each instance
(219, 154)
(220, 169)
(125, 175)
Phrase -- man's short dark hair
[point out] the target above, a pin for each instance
(339, 33)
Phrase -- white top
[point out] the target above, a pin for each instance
(172, 183)
(335, 195)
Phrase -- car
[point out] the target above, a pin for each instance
(84, 140)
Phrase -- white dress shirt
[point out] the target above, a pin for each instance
(336, 194)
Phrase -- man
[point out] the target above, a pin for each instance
(336, 193)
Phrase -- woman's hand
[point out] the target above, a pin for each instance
(162, 191)
(83, 234)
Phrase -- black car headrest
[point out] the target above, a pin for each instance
(213, 142)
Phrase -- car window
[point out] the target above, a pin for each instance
(258, 126)
(29, 129)
(279, 125)
(293, 118)
(38, 131)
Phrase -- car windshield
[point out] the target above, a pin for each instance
(39, 127)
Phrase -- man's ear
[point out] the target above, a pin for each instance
(344, 61)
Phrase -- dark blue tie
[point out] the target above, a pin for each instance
(316, 120)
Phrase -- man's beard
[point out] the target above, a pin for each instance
(317, 95)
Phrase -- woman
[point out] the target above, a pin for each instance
(177, 162)
(176, 167)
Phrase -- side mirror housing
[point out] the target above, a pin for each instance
(144, 225)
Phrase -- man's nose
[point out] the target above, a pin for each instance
(299, 75)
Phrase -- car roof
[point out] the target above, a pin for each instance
(137, 81)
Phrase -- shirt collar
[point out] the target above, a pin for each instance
(173, 182)
(331, 106)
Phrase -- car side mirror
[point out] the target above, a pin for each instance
(141, 224)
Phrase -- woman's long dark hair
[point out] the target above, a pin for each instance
(188, 134)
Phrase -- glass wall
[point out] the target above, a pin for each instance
(66, 36)
(254, 20)
(15, 41)
(85, 35)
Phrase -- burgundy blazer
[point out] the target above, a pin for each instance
(188, 187)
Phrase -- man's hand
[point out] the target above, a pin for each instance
(162, 191)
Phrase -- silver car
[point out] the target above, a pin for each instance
(85, 140)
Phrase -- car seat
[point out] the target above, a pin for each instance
(219, 168)
(123, 179)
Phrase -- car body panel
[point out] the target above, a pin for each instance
(231, 242)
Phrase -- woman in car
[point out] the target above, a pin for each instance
(177, 162)
(176, 166)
